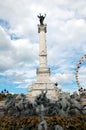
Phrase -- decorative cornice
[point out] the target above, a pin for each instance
(42, 28)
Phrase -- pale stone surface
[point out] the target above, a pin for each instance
(43, 72)
(42, 47)
(2, 103)
(83, 101)
(36, 89)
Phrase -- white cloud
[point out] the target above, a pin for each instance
(63, 78)
(5, 42)
(6, 50)
(22, 86)
(13, 53)
(25, 51)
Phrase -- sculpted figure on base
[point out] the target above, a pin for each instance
(41, 18)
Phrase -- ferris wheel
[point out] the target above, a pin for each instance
(79, 67)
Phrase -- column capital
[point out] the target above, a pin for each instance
(42, 28)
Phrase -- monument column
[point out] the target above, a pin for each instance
(43, 81)
(43, 72)
(42, 46)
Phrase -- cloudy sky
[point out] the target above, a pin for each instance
(19, 42)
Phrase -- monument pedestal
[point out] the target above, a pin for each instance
(37, 88)
(43, 83)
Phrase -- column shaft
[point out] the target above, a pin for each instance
(42, 46)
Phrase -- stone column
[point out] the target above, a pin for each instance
(43, 72)
(42, 46)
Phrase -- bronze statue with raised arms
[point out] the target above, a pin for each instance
(41, 18)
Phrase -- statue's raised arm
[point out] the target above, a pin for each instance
(41, 18)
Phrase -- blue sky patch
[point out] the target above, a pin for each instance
(5, 24)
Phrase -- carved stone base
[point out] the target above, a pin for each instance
(37, 88)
